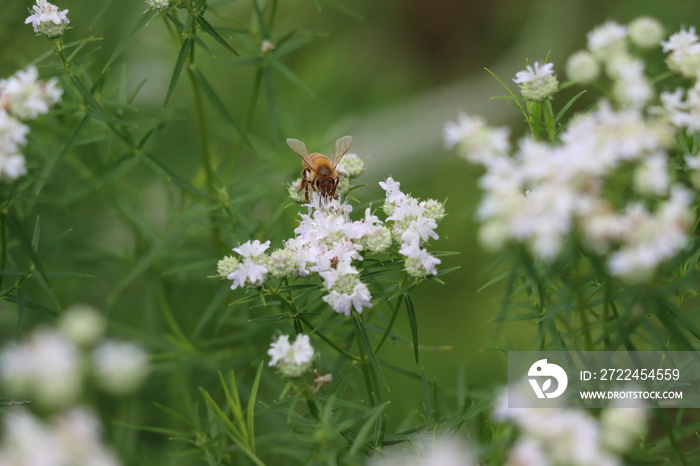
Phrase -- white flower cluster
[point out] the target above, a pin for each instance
(537, 82)
(72, 437)
(47, 19)
(22, 97)
(414, 223)
(157, 4)
(546, 193)
(571, 436)
(291, 359)
(49, 365)
(426, 450)
(329, 243)
(609, 47)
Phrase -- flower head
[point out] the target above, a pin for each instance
(645, 32)
(47, 19)
(25, 97)
(537, 82)
(582, 67)
(45, 366)
(291, 359)
(158, 4)
(120, 367)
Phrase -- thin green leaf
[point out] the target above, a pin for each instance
(289, 74)
(568, 105)
(209, 29)
(179, 64)
(250, 418)
(172, 176)
(411, 313)
(216, 101)
(367, 348)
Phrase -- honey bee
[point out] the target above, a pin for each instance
(319, 170)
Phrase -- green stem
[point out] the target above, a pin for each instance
(366, 373)
(205, 151)
(329, 341)
(389, 326)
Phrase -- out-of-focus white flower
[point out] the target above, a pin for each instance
(82, 324)
(645, 32)
(69, 438)
(623, 424)
(158, 4)
(47, 19)
(652, 237)
(119, 367)
(291, 359)
(25, 97)
(693, 163)
(426, 451)
(651, 177)
(351, 165)
(684, 56)
(45, 366)
(555, 436)
(630, 87)
(607, 41)
(537, 82)
(478, 142)
(582, 67)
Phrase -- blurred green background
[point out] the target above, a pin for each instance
(390, 73)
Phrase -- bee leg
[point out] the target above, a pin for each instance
(304, 185)
(335, 185)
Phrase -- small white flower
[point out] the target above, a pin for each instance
(47, 19)
(25, 97)
(158, 4)
(537, 82)
(120, 367)
(251, 249)
(582, 67)
(631, 88)
(266, 46)
(292, 360)
(623, 424)
(45, 366)
(645, 32)
(419, 262)
(478, 142)
(607, 41)
(651, 177)
(684, 56)
(82, 324)
(393, 191)
(343, 301)
(248, 273)
(13, 133)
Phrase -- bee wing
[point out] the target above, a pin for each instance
(299, 148)
(341, 147)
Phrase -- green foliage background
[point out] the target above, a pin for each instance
(132, 208)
